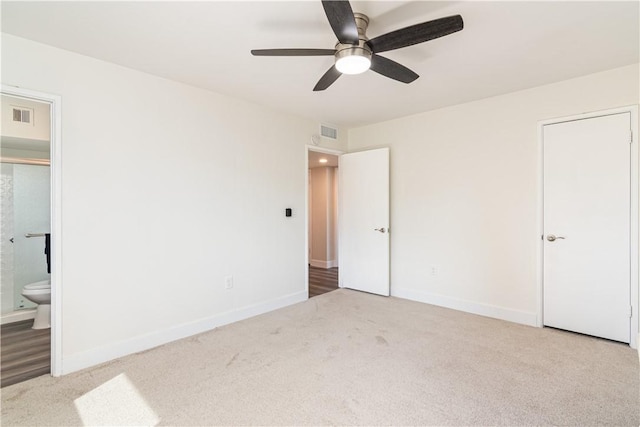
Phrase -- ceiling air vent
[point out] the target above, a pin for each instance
(328, 132)
(22, 115)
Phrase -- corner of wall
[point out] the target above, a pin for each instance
(467, 306)
(96, 356)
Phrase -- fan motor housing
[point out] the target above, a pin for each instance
(361, 49)
(358, 50)
(362, 22)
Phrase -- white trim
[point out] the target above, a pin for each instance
(508, 314)
(145, 342)
(306, 219)
(540, 230)
(635, 227)
(323, 150)
(55, 101)
(306, 204)
(634, 213)
(323, 264)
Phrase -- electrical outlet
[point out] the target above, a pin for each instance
(228, 282)
(434, 270)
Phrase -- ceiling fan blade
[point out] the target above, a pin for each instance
(293, 52)
(392, 69)
(327, 79)
(342, 21)
(415, 34)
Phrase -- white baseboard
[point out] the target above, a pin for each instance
(516, 316)
(86, 359)
(323, 264)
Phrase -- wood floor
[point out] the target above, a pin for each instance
(322, 280)
(25, 353)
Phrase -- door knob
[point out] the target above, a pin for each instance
(382, 229)
(553, 238)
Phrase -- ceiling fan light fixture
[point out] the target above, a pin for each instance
(353, 64)
(354, 52)
(353, 60)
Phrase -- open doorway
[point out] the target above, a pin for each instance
(323, 222)
(25, 227)
(46, 106)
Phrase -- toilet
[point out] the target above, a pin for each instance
(40, 293)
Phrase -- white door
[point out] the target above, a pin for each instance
(587, 193)
(364, 221)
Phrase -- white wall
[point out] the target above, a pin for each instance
(464, 188)
(323, 217)
(166, 189)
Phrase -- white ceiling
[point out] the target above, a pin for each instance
(505, 46)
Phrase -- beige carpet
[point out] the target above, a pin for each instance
(349, 358)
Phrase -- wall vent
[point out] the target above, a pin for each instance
(22, 115)
(328, 132)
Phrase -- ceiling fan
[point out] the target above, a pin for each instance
(355, 53)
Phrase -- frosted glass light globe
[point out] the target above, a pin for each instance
(353, 64)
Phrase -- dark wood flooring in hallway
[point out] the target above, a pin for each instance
(322, 280)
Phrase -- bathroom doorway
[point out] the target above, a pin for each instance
(25, 230)
(323, 222)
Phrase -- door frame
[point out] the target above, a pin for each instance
(634, 212)
(55, 102)
(317, 149)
